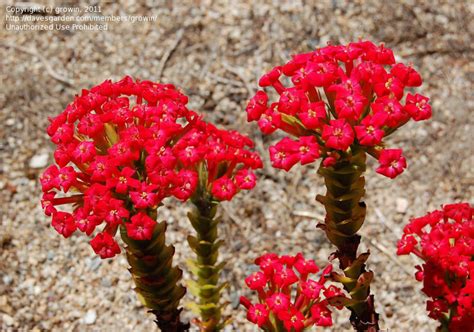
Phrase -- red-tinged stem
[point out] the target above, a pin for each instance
(313, 94)
(82, 187)
(345, 215)
(418, 253)
(299, 301)
(349, 65)
(278, 87)
(68, 200)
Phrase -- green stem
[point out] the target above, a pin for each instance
(155, 278)
(345, 214)
(205, 268)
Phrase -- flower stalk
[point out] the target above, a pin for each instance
(155, 277)
(204, 267)
(345, 215)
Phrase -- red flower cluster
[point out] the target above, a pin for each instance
(123, 147)
(444, 239)
(340, 96)
(287, 296)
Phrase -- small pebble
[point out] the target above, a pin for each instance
(90, 317)
(39, 160)
(401, 205)
(8, 320)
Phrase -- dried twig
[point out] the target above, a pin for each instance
(232, 216)
(389, 255)
(224, 80)
(389, 225)
(238, 73)
(169, 51)
(308, 214)
(437, 51)
(49, 69)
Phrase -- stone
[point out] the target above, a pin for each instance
(8, 320)
(39, 160)
(90, 317)
(401, 205)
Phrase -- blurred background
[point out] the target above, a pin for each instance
(216, 51)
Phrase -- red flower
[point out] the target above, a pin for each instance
(311, 289)
(312, 115)
(458, 212)
(444, 240)
(406, 245)
(115, 212)
(308, 150)
(63, 134)
(278, 302)
(335, 93)
(284, 277)
(284, 154)
(84, 221)
(390, 110)
(84, 152)
(350, 106)
(49, 179)
(291, 101)
(293, 320)
(160, 156)
(270, 78)
(104, 245)
(136, 142)
(123, 181)
(369, 132)
(63, 223)
(321, 74)
(387, 85)
(223, 189)
(141, 227)
(90, 125)
(406, 74)
(267, 263)
(305, 266)
(321, 315)
(144, 196)
(245, 179)
(290, 298)
(258, 314)
(329, 161)
(269, 121)
(392, 163)
(185, 184)
(67, 178)
(256, 281)
(124, 153)
(257, 105)
(101, 168)
(417, 106)
(338, 135)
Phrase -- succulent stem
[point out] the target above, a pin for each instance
(205, 268)
(345, 214)
(155, 277)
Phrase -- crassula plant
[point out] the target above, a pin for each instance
(444, 240)
(223, 166)
(340, 102)
(122, 148)
(289, 298)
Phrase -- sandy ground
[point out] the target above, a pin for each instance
(215, 51)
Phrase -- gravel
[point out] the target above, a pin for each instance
(51, 283)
